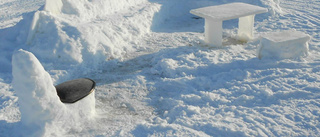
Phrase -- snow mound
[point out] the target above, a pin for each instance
(48, 39)
(77, 35)
(38, 100)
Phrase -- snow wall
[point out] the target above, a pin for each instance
(77, 34)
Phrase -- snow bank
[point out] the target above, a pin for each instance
(38, 100)
(48, 39)
(84, 34)
(88, 9)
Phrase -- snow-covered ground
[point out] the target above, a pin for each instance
(155, 76)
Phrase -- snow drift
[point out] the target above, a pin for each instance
(76, 35)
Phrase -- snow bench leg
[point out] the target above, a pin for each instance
(246, 26)
(213, 33)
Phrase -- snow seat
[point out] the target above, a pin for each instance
(78, 94)
(215, 15)
(284, 45)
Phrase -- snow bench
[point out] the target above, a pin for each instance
(283, 45)
(215, 15)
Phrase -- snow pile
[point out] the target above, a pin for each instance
(78, 36)
(38, 100)
(50, 41)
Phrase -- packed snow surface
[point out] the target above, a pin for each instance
(154, 74)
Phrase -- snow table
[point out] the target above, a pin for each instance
(284, 45)
(215, 15)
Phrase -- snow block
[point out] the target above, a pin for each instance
(283, 45)
(33, 27)
(84, 108)
(213, 33)
(78, 94)
(246, 28)
(53, 6)
(38, 100)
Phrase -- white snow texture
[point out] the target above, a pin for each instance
(154, 74)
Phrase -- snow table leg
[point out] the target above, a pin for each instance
(246, 26)
(213, 33)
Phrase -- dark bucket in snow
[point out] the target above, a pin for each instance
(75, 90)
